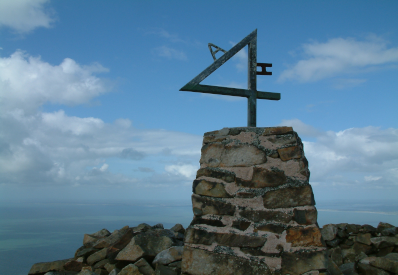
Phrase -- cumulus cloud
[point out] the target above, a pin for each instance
(187, 170)
(25, 15)
(356, 157)
(170, 53)
(240, 58)
(53, 148)
(27, 82)
(301, 128)
(340, 55)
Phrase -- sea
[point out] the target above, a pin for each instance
(44, 231)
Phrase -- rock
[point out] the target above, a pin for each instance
(353, 228)
(211, 222)
(216, 173)
(335, 256)
(114, 271)
(85, 252)
(218, 155)
(130, 269)
(359, 247)
(144, 267)
(169, 255)
(109, 267)
(86, 272)
(382, 242)
(200, 236)
(202, 262)
(205, 205)
(97, 256)
(277, 130)
(178, 228)
(304, 236)
(366, 228)
(44, 267)
(88, 238)
(388, 262)
(305, 217)
(299, 263)
(147, 244)
(364, 238)
(329, 232)
(158, 226)
(164, 270)
(370, 270)
(263, 177)
(100, 271)
(74, 265)
(115, 237)
(348, 269)
(143, 227)
(290, 153)
(209, 188)
(266, 215)
(333, 269)
(382, 226)
(101, 264)
(289, 197)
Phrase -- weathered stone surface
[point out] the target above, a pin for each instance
(290, 153)
(241, 225)
(274, 228)
(144, 267)
(364, 238)
(205, 205)
(274, 142)
(304, 236)
(353, 228)
(100, 271)
(359, 247)
(388, 263)
(301, 262)
(97, 235)
(209, 188)
(109, 267)
(169, 255)
(130, 269)
(218, 155)
(39, 268)
(305, 217)
(178, 228)
(277, 130)
(381, 228)
(348, 269)
(74, 265)
(111, 239)
(264, 178)
(164, 270)
(289, 197)
(264, 215)
(335, 256)
(101, 264)
(222, 132)
(85, 251)
(200, 236)
(329, 232)
(217, 173)
(147, 244)
(216, 223)
(201, 262)
(97, 256)
(366, 269)
(86, 272)
(382, 242)
(333, 269)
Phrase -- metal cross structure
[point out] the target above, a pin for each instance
(251, 92)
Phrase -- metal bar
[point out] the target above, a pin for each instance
(268, 95)
(264, 68)
(218, 90)
(252, 83)
(216, 64)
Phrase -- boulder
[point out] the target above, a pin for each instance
(130, 269)
(169, 255)
(329, 232)
(44, 267)
(144, 267)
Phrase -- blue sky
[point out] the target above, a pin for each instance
(90, 106)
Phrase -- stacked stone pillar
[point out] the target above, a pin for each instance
(253, 206)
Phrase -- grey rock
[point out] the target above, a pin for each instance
(44, 267)
(144, 267)
(348, 269)
(366, 269)
(329, 232)
(130, 269)
(169, 255)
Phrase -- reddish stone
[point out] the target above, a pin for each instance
(289, 197)
(288, 153)
(304, 236)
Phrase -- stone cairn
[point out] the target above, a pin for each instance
(253, 206)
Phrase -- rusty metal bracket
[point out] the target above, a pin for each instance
(264, 68)
(213, 53)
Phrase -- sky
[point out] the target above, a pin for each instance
(90, 107)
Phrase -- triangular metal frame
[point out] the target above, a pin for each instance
(251, 93)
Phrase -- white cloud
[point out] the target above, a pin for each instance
(187, 170)
(339, 55)
(25, 15)
(49, 148)
(27, 82)
(170, 53)
(356, 157)
(301, 128)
